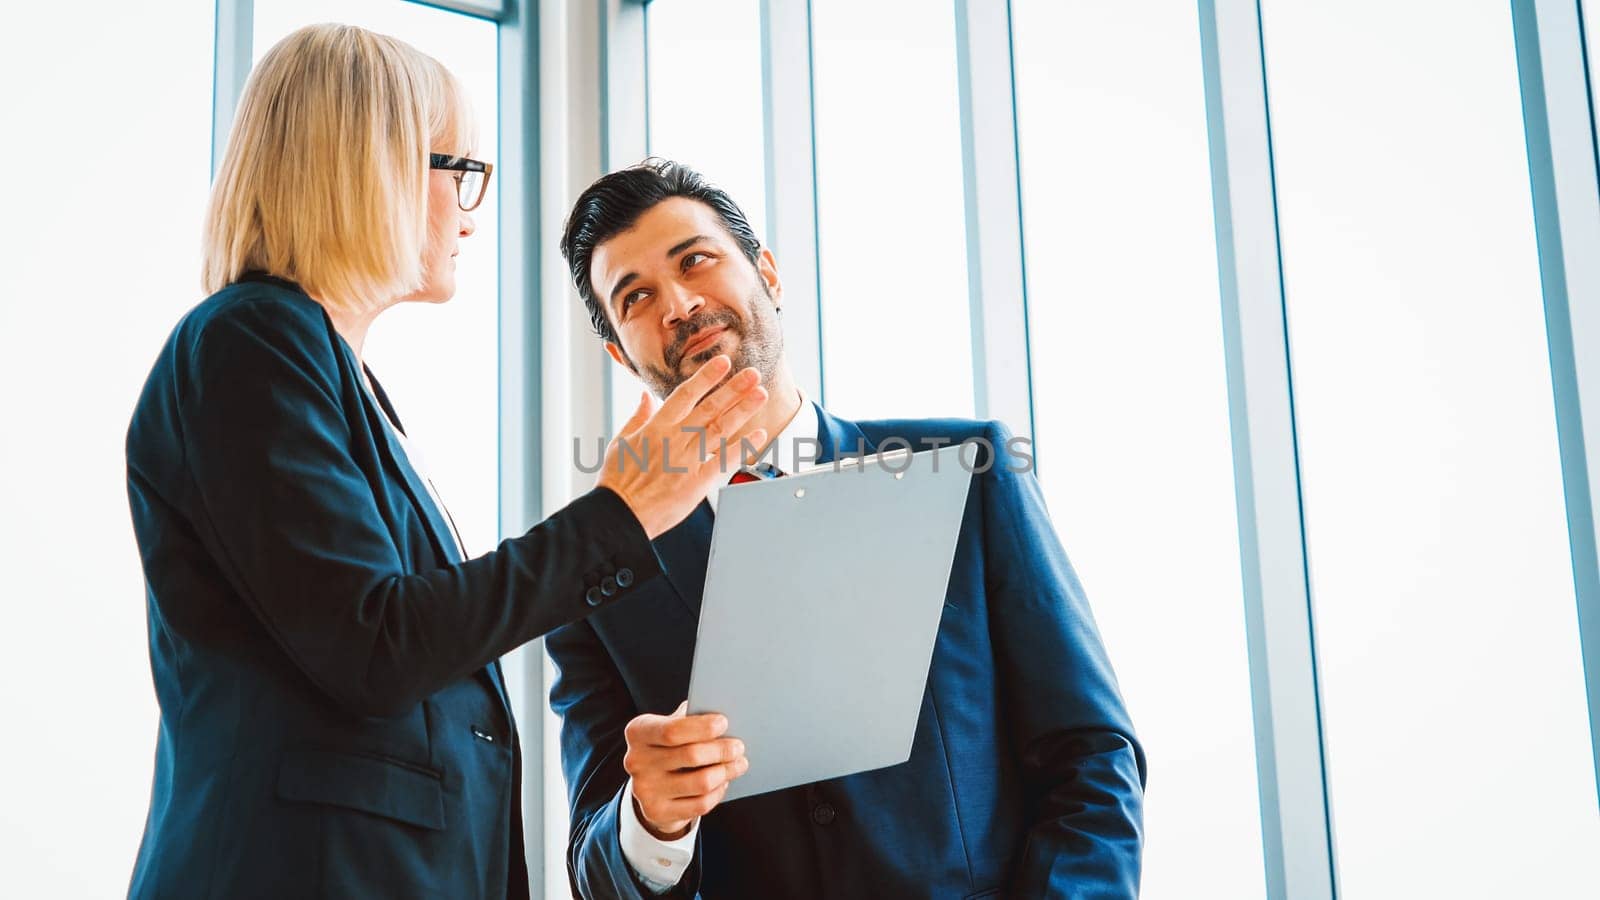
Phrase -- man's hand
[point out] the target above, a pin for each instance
(681, 766)
(697, 431)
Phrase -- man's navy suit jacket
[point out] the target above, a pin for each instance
(1025, 779)
(333, 721)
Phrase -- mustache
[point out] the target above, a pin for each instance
(686, 331)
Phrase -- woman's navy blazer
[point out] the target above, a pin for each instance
(333, 720)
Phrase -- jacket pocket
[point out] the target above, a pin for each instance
(389, 788)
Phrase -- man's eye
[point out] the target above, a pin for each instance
(693, 258)
(630, 299)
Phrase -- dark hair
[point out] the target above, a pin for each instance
(614, 204)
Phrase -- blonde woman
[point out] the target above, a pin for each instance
(333, 718)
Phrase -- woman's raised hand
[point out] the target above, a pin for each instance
(665, 462)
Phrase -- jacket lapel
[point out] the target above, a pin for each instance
(840, 438)
(683, 551)
(444, 544)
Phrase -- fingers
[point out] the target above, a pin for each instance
(686, 771)
(736, 389)
(669, 796)
(681, 766)
(707, 753)
(671, 434)
(731, 454)
(684, 397)
(733, 418)
(709, 429)
(726, 411)
(674, 730)
(681, 811)
(655, 774)
(687, 758)
(682, 730)
(725, 431)
(698, 783)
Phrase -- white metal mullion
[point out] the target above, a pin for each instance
(1291, 765)
(231, 57)
(997, 289)
(789, 122)
(1558, 117)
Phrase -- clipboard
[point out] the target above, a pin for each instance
(822, 601)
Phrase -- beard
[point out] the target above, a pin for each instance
(760, 345)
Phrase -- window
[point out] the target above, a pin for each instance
(108, 149)
(1131, 407)
(705, 94)
(439, 364)
(705, 111)
(891, 232)
(1454, 710)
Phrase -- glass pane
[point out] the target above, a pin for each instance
(896, 326)
(705, 94)
(1458, 747)
(439, 363)
(108, 153)
(1131, 406)
(469, 189)
(705, 111)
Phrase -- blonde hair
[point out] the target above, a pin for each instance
(325, 179)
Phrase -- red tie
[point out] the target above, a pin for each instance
(744, 476)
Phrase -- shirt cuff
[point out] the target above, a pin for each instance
(659, 864)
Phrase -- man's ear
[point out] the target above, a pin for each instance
(617, 353)
(767, 268)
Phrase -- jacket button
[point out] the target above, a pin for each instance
(593, 597)
(608, 586)
(624, 577)
(823, 814)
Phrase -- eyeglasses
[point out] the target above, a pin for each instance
(472, 177)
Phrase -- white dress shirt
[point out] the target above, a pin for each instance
(661, 864)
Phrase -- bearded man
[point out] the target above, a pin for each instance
(1025, 778)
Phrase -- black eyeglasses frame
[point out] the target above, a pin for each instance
(462, 165)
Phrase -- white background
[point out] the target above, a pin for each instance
(1131, 407)
(891, 238)
(106, 162)
(1452, 688)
